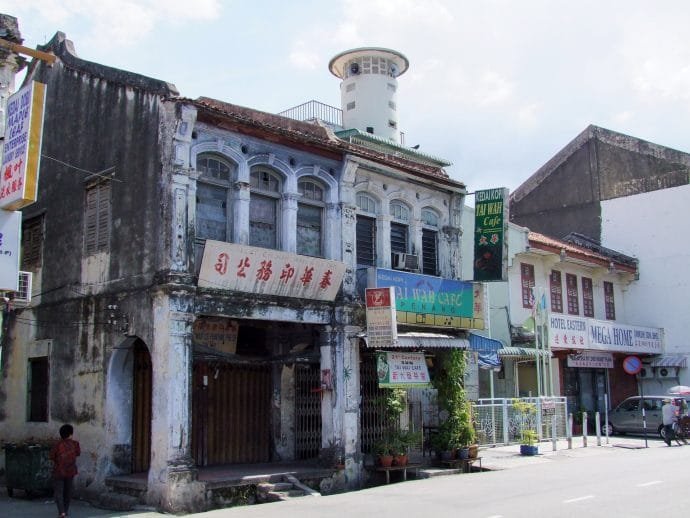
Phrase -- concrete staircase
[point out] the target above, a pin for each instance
(287, 488)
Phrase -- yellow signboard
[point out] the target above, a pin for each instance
(22, 151)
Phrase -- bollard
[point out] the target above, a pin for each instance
(554, 435)
(569, 431)
(597, 425)
(584, 429)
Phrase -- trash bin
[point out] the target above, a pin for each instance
(28, 467)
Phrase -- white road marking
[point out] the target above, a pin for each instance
(578, 499)
(495, 516)
(652, 483)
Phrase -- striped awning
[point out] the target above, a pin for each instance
(427, 341)
(523, 352)
(484, 344)
(670, 360)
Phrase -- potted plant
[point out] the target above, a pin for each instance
(384, 451)
(393, 403)
(528, 435)
(404, 440)
(456, 431)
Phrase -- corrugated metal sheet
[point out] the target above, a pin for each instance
(428, 341)
(670, 360)
(522, 352)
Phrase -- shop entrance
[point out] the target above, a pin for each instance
(586, 389)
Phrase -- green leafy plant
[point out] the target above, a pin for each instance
(528, 437)
(457, 429)
(526, 411)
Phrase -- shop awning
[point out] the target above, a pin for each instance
(484, 344)
(523, 352)
(670, 360)
(428, 341)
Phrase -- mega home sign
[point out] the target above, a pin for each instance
(567, 332)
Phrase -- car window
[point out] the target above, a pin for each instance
(631, 404)
(652, 404)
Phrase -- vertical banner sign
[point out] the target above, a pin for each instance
(382, 328)
(10, 232)
(22, 150)
(490, 247)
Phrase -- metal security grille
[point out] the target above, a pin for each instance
(371, 409)
(307, 412)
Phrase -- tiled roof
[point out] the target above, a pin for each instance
(604, 257)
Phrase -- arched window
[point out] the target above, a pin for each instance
(310, 210)
(213, 199)
(429, 242)
(366, 230)
(264, 208)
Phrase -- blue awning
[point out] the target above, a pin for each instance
(483, 344)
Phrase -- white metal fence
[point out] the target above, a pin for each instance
(497, 421)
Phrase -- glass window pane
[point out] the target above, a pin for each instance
(309, 221)
(262, 221)
(211, 167)
(211, 217)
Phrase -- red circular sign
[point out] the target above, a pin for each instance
(632, 364)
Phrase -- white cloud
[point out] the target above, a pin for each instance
(304, 57)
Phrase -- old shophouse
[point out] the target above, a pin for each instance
(199, 270)
(627, 194)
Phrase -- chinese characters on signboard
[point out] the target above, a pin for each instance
(217, 333)
(382, 328)
(591, 360)
(490, 220)
(401, 369)
(566, 332)
(22, 149)
(250, 269)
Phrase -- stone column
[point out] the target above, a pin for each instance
(288, 224)
(240, 213)
(172, 482)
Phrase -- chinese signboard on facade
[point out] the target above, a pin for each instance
(22, 150)
(249, 269)
(217, 333)
(566, 332)
(10, 230)
(490, 247)
(401, 369)
(591, 360)
(382, 328)
(426, 300)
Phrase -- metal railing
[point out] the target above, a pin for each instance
(315, 110)
(497, 421)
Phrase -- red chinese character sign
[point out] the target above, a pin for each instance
(395, 369)
(382, 328)
(250, 269)
(22, 150)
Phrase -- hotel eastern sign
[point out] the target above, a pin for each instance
(22, 150)
(249, 269)
(490, 247)
(566, 332)
(425, 300)
(382, 328)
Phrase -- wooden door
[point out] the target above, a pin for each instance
(141, 409)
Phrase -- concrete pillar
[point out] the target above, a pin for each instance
(10, 64)
(288, 224)
(240, 213)
(172, 482)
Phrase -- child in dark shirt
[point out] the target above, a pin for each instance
(64, 456)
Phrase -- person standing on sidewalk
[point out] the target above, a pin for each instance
(64, 456)
(668, 414)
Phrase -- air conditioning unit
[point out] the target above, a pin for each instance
(22, 297)
(665, 372)
(646, 372)
(405, 261)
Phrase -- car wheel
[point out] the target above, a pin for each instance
(662, 432)
(608, 429)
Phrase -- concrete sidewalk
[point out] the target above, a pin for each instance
(493, 458)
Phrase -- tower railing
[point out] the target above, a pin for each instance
(315, 110)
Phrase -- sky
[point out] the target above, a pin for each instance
(497, 87)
